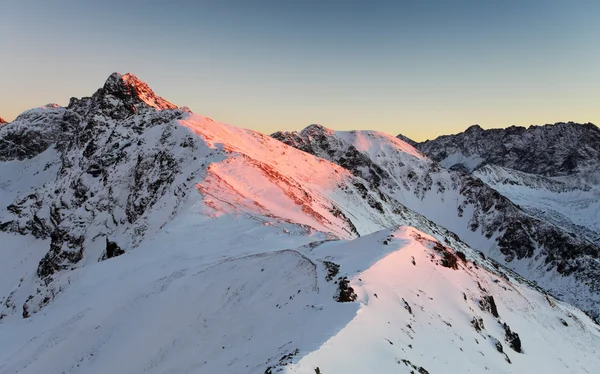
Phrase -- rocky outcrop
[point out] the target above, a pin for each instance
(116, 155)
(551, 150)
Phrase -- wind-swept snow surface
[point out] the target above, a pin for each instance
(199, 307)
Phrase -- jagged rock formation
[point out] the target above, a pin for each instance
(104, 174)
(550, 150)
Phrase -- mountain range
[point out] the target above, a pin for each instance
(137, 236)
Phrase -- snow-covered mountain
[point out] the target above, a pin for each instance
(566, 264)
(96, 178)
(136, 236)
(552, 171)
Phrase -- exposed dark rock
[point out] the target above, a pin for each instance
(406, 139)
(113, 249)
(419, 369)
(407, 306)
(512, 338)
(449, 259)
(550, 150)
(488, 304)
(477, 324)
(346, 293)
(332, 270)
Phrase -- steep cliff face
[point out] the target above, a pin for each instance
(570, 204)
(478, 214)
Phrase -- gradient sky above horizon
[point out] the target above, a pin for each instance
(421, 68)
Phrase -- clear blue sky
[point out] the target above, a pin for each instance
(419, 67)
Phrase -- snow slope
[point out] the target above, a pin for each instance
(564, 263)
(418, 316)
(227, 306)
(575, 208)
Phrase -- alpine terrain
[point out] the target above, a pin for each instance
(560, 261)
(551, 171)
(139, 237)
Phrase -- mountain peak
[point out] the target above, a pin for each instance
(130, 86)
(2, 121)
(473, 128)
(315, 129)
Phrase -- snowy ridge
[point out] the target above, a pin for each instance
(418, 305)
(564, 263)
(417, 315)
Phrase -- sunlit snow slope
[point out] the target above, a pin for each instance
(202, 308)
(563, 262)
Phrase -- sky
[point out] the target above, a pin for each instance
(420, 67)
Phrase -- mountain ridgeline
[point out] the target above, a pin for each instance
(477, 213)
(557, 150)
(250, 253)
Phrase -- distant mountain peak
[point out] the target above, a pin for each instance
(120, 97)
(2, 121)
(315, 129)
(474, 128)
(551, 150)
